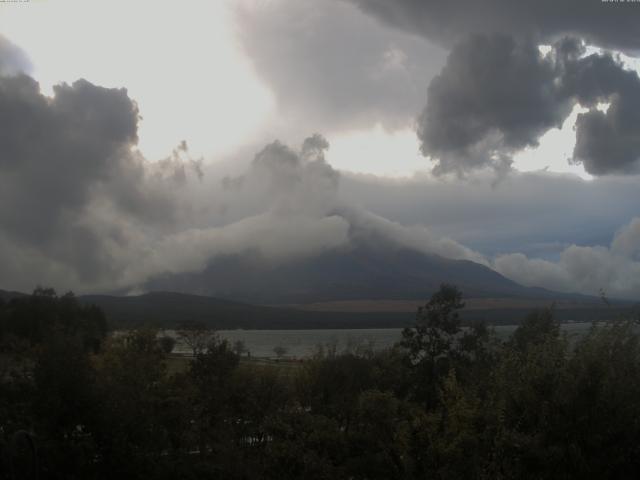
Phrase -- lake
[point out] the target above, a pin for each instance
(304, 343)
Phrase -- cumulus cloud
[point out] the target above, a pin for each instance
(609, 142)
(12, 59)
(607, 24)
(71, 181)
(498, 95)
(297, 212)
(291, 197)
(53, 152)
(331, 67)
(587, 269)
(303, 208)
(81, 208)
(627, 241)
(495, 96)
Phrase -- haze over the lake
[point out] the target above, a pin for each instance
(144, 140)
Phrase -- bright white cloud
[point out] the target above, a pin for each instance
(554, 151)
(378, 152)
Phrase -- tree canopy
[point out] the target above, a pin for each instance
(448, 401)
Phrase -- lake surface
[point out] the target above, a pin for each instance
(304, 343)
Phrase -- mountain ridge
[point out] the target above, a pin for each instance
(355, 273)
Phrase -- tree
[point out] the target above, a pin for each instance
(167, 344)
(211, 373)
(431, 342)
(538, 327)
(132, 388)
(379, 437)
(196, 336)
(64, 404)
(37, 317)
(436, 327)
(280, 351)
(239, 347)
(304, 445)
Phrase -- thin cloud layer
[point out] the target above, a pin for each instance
(535, 213)
(538, 229)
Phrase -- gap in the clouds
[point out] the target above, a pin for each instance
(554, 151)
(377, 151)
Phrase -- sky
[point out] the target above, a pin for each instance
(146, 138)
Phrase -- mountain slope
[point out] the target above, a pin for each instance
(360, 272)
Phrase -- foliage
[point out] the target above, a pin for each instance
(167, 344)
(239, 347)
(437, 343)
(447, 402)
(195, 335)
(280, 351)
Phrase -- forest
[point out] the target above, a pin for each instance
(449, 401)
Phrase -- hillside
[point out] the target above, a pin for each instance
(360, 272)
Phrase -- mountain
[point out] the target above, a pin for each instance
(363, 271)
(371, 283)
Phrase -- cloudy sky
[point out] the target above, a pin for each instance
(146, 138)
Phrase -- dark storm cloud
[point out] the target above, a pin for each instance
(610, 142)
(606, 142)
(606, 24)
(331, 67)
(70, 178)
(494, 96)
(497, 95)
(55, 150)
